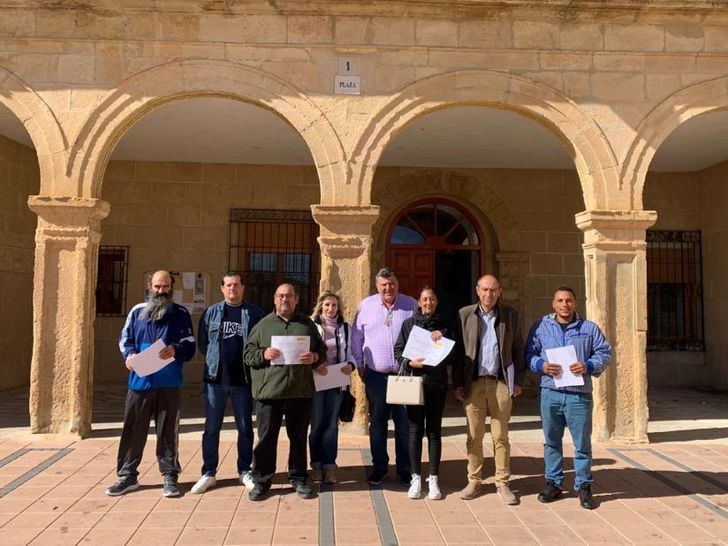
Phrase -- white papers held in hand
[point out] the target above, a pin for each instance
(334, 378)
(420, 345)
(291, 348)
(565, 357)
(148, 362)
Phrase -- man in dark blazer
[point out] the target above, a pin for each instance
(485, 380)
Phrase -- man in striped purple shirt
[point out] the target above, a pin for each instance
(374, 333)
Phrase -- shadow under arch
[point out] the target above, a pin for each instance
(653, 130)
(593, 157)
(179, 80)
(39, 121)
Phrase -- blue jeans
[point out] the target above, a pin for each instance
(558, 410)
(379, 413)
(324, 438)
(215, 397)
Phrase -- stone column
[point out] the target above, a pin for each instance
(616, 299)
(64, 309)
(345, 241)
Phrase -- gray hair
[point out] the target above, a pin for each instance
(385, 273)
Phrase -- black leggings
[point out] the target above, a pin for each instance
(427, 418)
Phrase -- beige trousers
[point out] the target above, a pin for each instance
(488, 396)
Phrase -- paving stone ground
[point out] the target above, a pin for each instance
(673, 490)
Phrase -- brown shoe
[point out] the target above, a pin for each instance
(506, 495)
(470, 491)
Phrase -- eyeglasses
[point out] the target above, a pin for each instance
(285, 296)
(388, 318)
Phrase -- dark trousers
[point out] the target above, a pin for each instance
(270, 416)
(379, 413)
(141, 406)
(215, 397)
(427, 418)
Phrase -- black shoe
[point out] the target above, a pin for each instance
(258, 492)
(585, 497)
(124, 485)
(304, 490)
(377, 477)
(171, 487)
(550, 492)
(405, 479)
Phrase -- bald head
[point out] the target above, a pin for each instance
(285, 300)
(161, 282)
(488, 289)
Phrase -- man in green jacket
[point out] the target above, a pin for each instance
(282, 390)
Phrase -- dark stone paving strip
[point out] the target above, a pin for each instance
(326, 516)
(381, 510)
(670, 483)
(702, 475)
(20, 480)
(15, 455)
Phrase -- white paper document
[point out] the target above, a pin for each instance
(334, 378)
(511, 373)
(147, 362)
(565, 356)
(291, 348)
(420, 345)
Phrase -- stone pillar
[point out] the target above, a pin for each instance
(64, 308)
(616, 299)
(346, 241)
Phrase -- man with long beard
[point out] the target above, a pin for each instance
(157, 394)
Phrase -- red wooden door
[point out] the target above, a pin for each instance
(415, 269)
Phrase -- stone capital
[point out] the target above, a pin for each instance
(69, 214)
(342, 221)
(622, 230)
(347, 247)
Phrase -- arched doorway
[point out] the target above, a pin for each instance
(436, 242)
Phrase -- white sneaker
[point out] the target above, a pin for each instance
(415, 490)
(246, 478)
(433, 489)
(203, 484)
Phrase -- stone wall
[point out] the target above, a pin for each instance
(692, 201)
(713, 199)
(529, 212)
(18, 179)
(177, 216)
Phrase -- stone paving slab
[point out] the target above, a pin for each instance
(666, 493)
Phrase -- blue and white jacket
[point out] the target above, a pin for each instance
(208, 333)
(591, 347)
(174, 328)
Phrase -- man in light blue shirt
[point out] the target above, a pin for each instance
(567, 406)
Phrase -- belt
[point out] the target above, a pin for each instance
(493, 377)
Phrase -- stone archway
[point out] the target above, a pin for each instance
(150, 89)
(697, 99)
(69, 227)
(45, 132)
(593, 156)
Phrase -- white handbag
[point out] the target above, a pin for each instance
(405, 389)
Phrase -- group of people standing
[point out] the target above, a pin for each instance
(488, 365)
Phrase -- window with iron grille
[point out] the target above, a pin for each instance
(111, 281)
(270, 247)
(674, 291)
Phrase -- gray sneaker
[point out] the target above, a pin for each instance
(123, 485)
(171, 487)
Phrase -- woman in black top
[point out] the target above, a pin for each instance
(434, 381)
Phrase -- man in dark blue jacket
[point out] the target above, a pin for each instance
(157, 394)
(222, 334)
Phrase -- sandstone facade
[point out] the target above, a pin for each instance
(611, 80)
